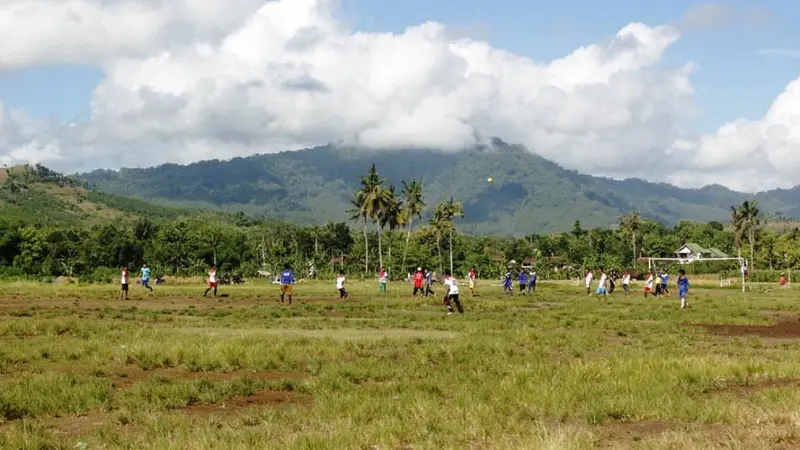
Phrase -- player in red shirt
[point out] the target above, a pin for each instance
(419, 277)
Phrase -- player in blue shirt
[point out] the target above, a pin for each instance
(683, 287)
(287, 281)
(523, 281)
(146, 277)
(665, 283)
(507, 284)
(532, 282)
(429, 283)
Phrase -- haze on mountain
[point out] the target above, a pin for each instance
(529, 194)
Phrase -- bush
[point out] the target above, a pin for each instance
(760, 276)
(102, 275)
(13, 273)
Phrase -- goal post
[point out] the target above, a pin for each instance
(742, 264)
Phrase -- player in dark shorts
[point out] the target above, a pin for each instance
(124, 284)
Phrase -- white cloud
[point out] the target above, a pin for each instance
(196, 80)
(749, 155)
(93, 31)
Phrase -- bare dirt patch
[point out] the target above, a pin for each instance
(755, 386)
(623, 434)
(76, 426)
(237, 405)
(129, 377)
(145, 301)
(783, 329)
(85, 425)
(618, 434)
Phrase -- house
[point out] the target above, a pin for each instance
(691, 252)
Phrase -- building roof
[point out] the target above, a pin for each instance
(717, 253)
(712, 252)
(694, 248)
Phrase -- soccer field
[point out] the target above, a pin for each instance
(557, 369)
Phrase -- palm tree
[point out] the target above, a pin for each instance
(737, 222)
(442, 221)
(452, 210)
(364, 202)
(414, 205)
(750, 218)
(439, 224)
(358, 213)
(392, 215)
(631, 223)
(376, 203)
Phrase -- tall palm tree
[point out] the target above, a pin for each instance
(631, 223)
(738, 228)
(414, 205)
(392, 215)
(363, 205)
(358, 213)
(376, 203)
(442, 221)
(750, 217)
(452, 209)
(439, 225)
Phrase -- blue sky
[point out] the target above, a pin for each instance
(732, 81)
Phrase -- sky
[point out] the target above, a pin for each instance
(686, 92)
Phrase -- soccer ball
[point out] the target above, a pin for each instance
(489, 180)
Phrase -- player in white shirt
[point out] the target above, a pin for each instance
(124, 284)
(626, 282)
(452, 293)
(212, 281)
(648, 284)
(340, 280)
(588, 280)
(601, 286)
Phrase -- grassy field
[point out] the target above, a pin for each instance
(556, 370)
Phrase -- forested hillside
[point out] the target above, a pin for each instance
(528, 195)
(42, 196)
(52, 226)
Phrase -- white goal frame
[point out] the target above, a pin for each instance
(681, 261)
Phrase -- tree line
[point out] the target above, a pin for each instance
(394, 229)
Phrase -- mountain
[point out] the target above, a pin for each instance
(39, 195)
(529, 194)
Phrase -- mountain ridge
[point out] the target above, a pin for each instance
(529, 193)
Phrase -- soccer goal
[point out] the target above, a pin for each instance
(653, 262)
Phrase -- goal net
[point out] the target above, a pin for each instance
(653, 264)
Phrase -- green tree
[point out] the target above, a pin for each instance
(31, 251)
(174, 247)
(391, 216)
(358, 212)
(414, 204)
(212, 235)
(367, 203)
(737, 223)
(631, 223)
(750, 218)
(443, 222)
